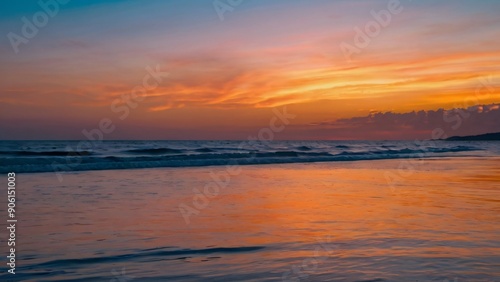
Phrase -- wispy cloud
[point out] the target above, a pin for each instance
(266, 55)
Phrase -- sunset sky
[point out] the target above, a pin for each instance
(226, 71)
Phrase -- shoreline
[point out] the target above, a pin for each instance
(486, 157)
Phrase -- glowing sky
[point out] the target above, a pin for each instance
(224, 76)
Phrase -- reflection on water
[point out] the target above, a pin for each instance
(298, 222)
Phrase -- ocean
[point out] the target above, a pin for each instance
(258, 211)
(56, 156)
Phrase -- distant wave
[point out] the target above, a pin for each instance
(407, 151)
(342, 147)
(156, 151)
(205, 150)
(167, 157)
(46, 153)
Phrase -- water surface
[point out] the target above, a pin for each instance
(333, 221)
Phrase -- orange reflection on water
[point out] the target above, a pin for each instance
(444, 209)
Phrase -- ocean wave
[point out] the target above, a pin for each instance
(146, 253)
(46, 153)
(204, 150)
(155, 151)
(165, 157)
